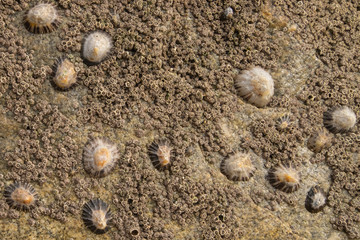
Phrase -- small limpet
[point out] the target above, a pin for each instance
(255, 85)
(97, 216)
(100, 156)
(238, 167)
(283, 123)
(160, 154)
(96, 47)
(315, 200)
(21, 196)
(339, 119)
(285, 178)
(319, 140)
(65, 75)
(228, 12)
(42, 18)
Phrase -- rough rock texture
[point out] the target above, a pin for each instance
(170, 75)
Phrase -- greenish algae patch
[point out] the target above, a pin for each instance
(259, 223)
(8, 127)
(8, 228)
(75, 229)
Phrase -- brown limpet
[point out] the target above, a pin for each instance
(100, 156)
(319, 141)
(20, 195)
(65, 74)
(160, 154)
(285, 178)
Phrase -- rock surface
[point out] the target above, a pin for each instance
(170, 76)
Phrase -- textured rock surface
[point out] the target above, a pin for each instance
(170, 75)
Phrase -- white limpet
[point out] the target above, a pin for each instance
(42, 18)
(100, 156)
(97, 216)
(255, 85)
(340, 119)
(96, 47)
(315, 200)
(238, 167)
(283, 123)
(228, 13)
